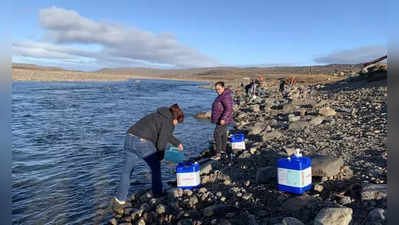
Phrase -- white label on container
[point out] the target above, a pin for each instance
(238, 145)
(188, 179)
(295, 178)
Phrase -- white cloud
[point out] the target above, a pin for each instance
(353, 56)
(120, 44)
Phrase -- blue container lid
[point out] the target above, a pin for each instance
(187, 167)
(237, 137)
(294, 163)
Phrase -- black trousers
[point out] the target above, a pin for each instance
(220, 136)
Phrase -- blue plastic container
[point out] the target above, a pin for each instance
(188, 175)
(237, 141)
(294, 174)
(174, 155)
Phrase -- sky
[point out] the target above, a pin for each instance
(90, 35)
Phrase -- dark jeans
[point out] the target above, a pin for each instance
(220, 136)
(135, 150)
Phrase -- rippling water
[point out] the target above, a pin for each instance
(67, 143)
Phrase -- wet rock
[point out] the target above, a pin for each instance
(252, 220)
(334, 216)
(245, 155)
(187, 192)
(113, 221)
(214, 210)
(325, 166)
(141, 222)
(374, 192)
(206, 168)
(193, 201)
(345, 200)
(160, 209)
(291, 221)
(318, 187)
(185, 222)
(136, 213)
(266, 174)
(377, 215)
(203, 115)
(327, 111)
(175, 193)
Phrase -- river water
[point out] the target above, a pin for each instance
(67, 141)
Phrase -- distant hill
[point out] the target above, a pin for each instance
(248, 71)
(35, 67)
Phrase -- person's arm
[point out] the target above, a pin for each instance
(228, 108)
(174, 141)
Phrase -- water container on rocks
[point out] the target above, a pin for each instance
(174, 155)
(237, 141)
(294, 173)
(188, 175)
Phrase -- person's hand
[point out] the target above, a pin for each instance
(180, 147)
(222, 122)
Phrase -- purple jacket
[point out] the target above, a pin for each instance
(222, 108)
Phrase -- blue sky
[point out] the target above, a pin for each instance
(89, 35)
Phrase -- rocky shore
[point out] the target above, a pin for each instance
(342, 126)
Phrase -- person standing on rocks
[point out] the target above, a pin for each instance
(222, 115)
(146, 140)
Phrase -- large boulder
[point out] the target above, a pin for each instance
(334, 216)
(203, 115)
(326, 166)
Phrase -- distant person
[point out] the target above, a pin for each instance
(222, 115)
(146, 140)
(282, 85)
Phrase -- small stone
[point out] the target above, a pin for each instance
(291, 221)
(334, 216)
(188, 192)
(252, 150)
(318, 187)
(206, 168)
(374, 192)
(141, 222)
(317, 120)
(136, 213)
(377, 215)
(327, 111)
(345, 200)
(161, 209)
(113, 221)
(299, 125)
